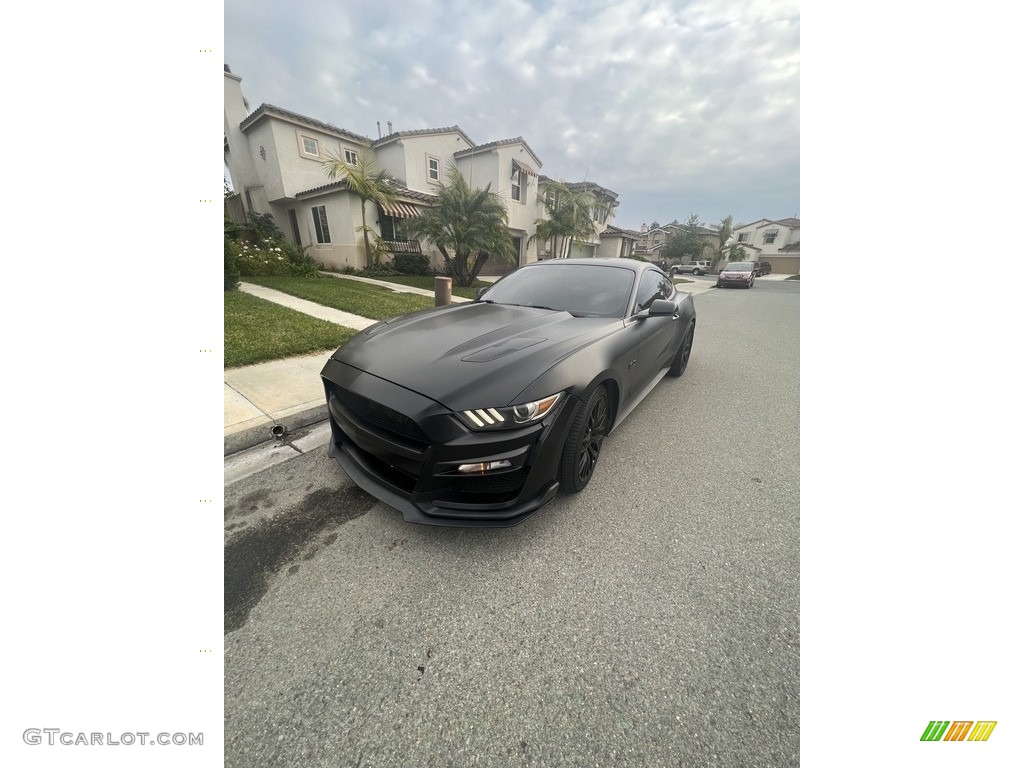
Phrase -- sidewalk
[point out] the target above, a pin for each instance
(288, 393)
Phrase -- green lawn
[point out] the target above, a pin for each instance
(361, 299)
(256, 331)
(427, 282)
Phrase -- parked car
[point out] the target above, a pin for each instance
(692, 267)
(763, 268)
(737, 273)
(477, 414)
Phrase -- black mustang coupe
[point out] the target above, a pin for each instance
(475, 414)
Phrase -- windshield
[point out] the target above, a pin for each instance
(739, 266)
(584, 290)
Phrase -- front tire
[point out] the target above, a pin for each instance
(683, 355)
(583, 446)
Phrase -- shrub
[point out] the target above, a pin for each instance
(412, 264)
(271, 258)
(264, 226)
(380, 271)
(259, 249)
(303, 265)
(232, 270)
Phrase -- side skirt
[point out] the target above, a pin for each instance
(628, 408)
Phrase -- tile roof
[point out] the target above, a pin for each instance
(269, 109)
(612, 230)
(423, 132)
(399, 190)
(498, 143)
(791, 223)
(588, 185)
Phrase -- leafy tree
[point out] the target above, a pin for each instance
(570, 216)
(687, 244)
(368, 183)
(468, 226)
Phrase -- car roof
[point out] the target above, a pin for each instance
(633, 264)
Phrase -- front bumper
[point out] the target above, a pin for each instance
(738, 280)
(404, 449)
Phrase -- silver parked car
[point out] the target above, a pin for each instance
(691, 267)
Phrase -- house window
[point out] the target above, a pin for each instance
(392, 228)
(600, 214)
(350, 157)
(744, 237)
(323, 233)
(433, 169)
(517, 191)
(309, 146)
(770, 235)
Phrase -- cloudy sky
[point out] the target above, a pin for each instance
(679, 106)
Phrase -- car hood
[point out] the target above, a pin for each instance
(470, 355)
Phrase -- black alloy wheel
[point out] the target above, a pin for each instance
(683, 355)
(583, 446)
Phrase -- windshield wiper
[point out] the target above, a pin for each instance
(538, 306)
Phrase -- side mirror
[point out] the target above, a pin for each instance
(480, 292)
(662, 307)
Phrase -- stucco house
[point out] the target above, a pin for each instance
(652, 240)
(617, 242)
(774, 241)
(275, 158)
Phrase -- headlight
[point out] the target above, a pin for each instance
(511, 416)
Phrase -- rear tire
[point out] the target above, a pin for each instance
(683, 355)
(583, 446)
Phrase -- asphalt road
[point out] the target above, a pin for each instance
(652, 620)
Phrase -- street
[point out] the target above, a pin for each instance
(651, 620)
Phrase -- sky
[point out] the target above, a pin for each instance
(680, 107)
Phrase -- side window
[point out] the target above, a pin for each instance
(433, 169)
(665, 289)
(323, 233)
(650, 289)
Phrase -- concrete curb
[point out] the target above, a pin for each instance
(260, 433)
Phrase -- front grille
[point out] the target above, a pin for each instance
(383, 417)
(488, 489)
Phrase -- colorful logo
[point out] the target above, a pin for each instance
(958, 730)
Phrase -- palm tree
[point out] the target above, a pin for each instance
(468, 226)
(570, 216)
(724, 233)
(363, 178)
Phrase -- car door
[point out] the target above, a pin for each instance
(657, 337)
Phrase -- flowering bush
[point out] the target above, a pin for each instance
(264, 259)
(261, 250)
